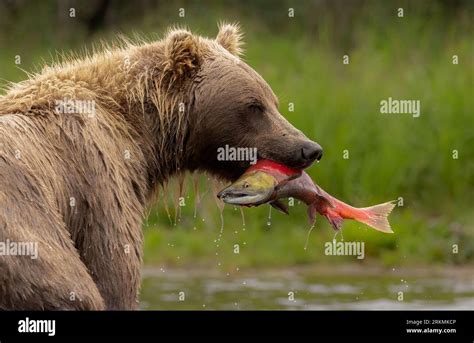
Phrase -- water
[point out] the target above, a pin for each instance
(349, 289)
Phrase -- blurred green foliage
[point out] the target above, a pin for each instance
(337, 105)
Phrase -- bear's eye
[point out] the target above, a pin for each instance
(256, 108)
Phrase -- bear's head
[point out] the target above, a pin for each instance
(231, 107)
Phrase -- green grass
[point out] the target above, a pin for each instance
(337, 105)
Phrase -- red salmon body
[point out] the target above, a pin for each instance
(298, 184)
(319, 201)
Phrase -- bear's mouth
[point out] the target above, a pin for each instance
(298, 166)
(230, 171)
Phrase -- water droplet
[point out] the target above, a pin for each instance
(165, 201)
(197, 195)
(243, 216)
(307, 236)
(269, 222)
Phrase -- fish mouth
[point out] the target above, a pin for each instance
(235, 197)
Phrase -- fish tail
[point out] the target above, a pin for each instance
(376, 216)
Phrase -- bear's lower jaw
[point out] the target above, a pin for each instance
(231, 171)
(288, 162)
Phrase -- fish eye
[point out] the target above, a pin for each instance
(246, 185)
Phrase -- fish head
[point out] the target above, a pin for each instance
(253, 188)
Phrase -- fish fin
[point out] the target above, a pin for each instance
(335, 220)
(323, 198)
(377, 216)
(325, 201)
(321, 202)
(280, 206)
(286, 180)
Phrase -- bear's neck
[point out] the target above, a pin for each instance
(156, 113)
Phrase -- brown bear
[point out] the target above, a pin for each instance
(84, 144)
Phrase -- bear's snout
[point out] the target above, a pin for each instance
(300, 154)
(296, 153)
(311, 152)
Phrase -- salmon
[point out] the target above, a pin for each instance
(268, 182)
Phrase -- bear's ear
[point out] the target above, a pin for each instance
(230, 38)
(182, 56)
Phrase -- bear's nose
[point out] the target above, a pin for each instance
(311, 151)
